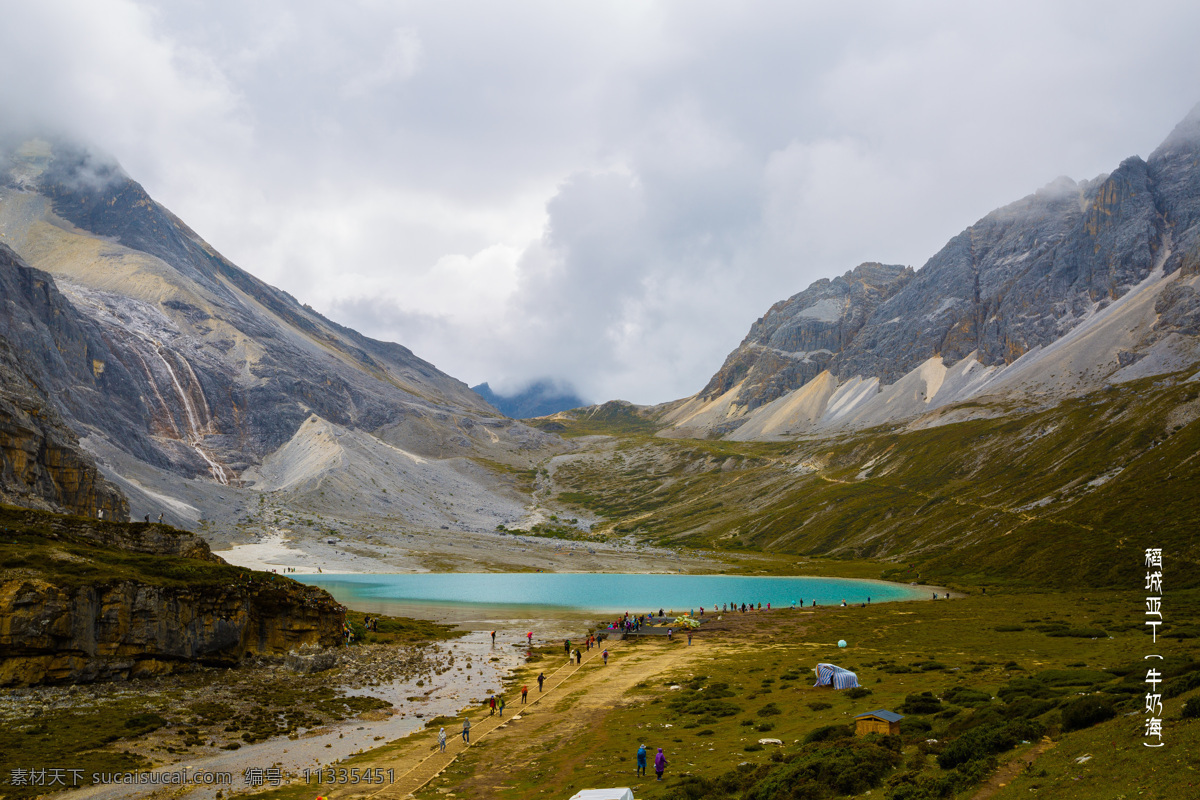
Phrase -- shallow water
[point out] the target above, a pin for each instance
(447, 695)
(468, 598)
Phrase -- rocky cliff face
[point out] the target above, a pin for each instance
(75, 607)
(41, 463)
(798, 338)
(55, 634)
(1115, 256)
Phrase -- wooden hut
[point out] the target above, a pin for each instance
(887, 722)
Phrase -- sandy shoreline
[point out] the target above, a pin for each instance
(281, 550)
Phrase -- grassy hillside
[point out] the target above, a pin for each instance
(1067, 495)
(64, 550)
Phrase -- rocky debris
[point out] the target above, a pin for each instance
(374, 665)
(309, 659)
(208, 712)
(1178, 309)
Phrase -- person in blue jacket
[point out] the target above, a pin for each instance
(641, 761)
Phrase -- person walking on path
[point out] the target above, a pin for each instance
(493, 638)
(660, 763)
(578, 656)
(689, 638)
(467, 730)
(442, 739)
(529, 636)
(605, 656)
(501, 706)
(492, 703)
(541, 680)
(524, 693)
(641, 761)
(567, 648)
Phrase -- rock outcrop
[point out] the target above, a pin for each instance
(88, 600)
(798, 338)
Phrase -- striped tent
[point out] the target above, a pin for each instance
(831, 674)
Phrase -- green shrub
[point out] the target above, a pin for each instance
(848, 768)
(1027, 687)
(923, 703)
(827, 732)
(857, 692)
(912, 786)
(144, 723)
(1181, 685)
(1073, 677)
(1086, 712)
(820, 705)
(1028, 707)
(963, 696)
(1079, 633)
(1191, 709)
(987, 740)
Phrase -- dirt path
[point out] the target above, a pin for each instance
(519, 748)
(1010, 770)
(572, 697)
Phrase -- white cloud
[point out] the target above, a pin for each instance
(608, 195)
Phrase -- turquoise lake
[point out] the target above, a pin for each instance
(596, 592)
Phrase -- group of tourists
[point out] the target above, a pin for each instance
(629, 623)
(660, 762)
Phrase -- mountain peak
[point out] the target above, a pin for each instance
(541, 398)
(1184, 138)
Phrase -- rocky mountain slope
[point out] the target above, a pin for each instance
(182, 371)
(1070, 288)
(41, 463)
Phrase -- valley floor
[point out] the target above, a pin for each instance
(748, 677)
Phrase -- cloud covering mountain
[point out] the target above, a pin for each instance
(606, 196)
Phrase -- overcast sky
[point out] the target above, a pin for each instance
(603, 193)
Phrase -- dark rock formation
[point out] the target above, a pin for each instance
(89, 600)
(798, 338)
